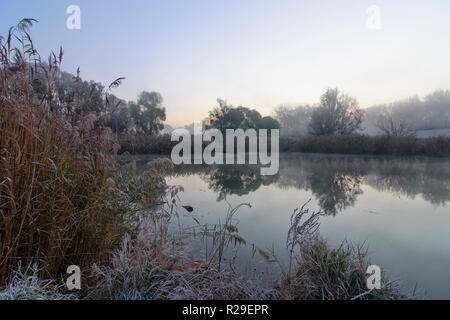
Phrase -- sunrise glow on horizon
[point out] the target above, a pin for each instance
(258, 54)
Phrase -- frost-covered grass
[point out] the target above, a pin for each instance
(26, 285)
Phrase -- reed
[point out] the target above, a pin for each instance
(368, 145)
(343, 144)
(57, 206)
(157, 264)
(318, 271)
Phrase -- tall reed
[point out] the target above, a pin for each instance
(57, 206)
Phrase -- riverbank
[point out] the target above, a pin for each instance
(156, 263)
(336, 144)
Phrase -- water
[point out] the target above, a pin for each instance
(399, 206)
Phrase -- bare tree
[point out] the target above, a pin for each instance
(337, 113)
(393, 128)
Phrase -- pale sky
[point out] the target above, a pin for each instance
(254, 53)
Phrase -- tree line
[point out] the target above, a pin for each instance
(336, 113)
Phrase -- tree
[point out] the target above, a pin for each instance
(225, 117)
(148, 113)
(268, 123)
(228, 117)
(393, 128)
(293, 121)
(428, 113)
(251, 118)
(337, 113)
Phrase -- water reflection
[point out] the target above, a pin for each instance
(239, 180)
(407, 200)
(431, 180)
(335, 181)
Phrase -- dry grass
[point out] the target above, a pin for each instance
(369, 145)
(146, 144)
(58, 203)
(26, 285)
(157, 265)
(325, 273)
(344, 144)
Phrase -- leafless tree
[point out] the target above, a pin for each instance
(337, 113)
(393, 127)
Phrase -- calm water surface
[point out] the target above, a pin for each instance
(398, 206)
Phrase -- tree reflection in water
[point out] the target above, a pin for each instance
(334, 180)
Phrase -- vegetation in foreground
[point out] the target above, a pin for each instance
(65, 201)
(157, 264)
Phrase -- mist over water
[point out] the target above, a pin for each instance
(398, 206)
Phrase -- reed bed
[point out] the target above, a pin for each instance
(368, 145)
(58, 203)
(157, 265)
(342, 144)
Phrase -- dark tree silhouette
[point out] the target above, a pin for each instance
(228, 117)
(148, 113)
(337, 113)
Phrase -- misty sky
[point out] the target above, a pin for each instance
(255, 53)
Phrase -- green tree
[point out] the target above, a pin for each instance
(228, 117)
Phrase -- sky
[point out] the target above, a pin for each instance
(255, 53)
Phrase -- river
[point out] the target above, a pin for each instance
(398, 206)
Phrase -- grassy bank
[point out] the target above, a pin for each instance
(343, 144)
(156, 263)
